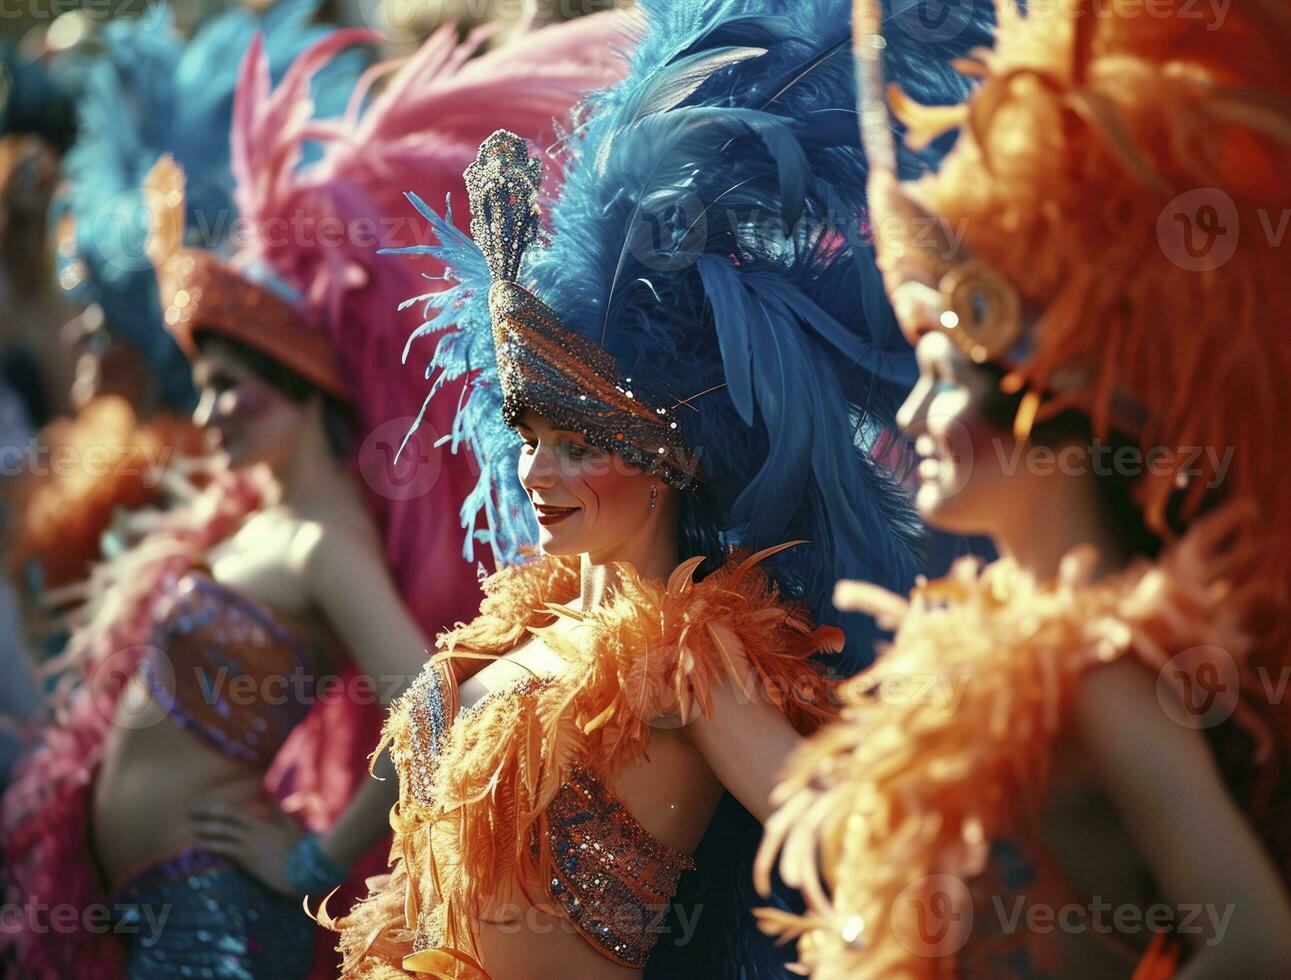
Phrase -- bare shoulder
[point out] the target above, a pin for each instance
(1120, 716)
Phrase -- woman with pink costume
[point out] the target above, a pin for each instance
(240, 620)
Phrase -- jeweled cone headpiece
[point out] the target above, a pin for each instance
(559, 374)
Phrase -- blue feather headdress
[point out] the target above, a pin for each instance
(38, 95)
(150, 94)
(709, 236)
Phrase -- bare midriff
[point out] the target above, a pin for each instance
(152, 774)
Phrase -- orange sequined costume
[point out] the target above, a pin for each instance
(512, 795)
(1075, 156)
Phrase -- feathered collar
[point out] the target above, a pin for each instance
(473, 798)
(902, 788)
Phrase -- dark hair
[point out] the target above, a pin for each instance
(340, 424)
(1116, 491)
(20, 371)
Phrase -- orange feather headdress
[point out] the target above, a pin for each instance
(1117, 183)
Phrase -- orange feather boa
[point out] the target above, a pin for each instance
(902, 789)
(468, 839)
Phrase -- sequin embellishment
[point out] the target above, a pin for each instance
(432, 703)
(224, 668)
(556, 372)
(613, 880)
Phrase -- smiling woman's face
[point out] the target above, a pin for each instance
(964, 456)
(586, 501)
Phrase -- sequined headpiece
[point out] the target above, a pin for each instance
(201, 293)
(559, 374)
(706, 237)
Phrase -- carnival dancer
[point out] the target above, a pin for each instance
(242, 622)
(689, 381)
(1105, 748)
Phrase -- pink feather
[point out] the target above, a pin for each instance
(420, 131)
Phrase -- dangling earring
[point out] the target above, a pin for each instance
(654, 496)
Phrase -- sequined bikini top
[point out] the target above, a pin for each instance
(608, 875)
(512, 793)
(231, 670)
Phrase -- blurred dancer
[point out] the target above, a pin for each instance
(243, 619)
(1106, 750)
(688, 382)
(148, 94)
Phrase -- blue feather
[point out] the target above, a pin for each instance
(459, 323)
(707, 235)
(151, 93)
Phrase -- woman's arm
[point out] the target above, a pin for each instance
(348, 581)
(745, 740)
(1202, 851)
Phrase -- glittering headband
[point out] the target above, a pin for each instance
(199, 293)
(558, 373)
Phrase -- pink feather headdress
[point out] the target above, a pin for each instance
(307, 285)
